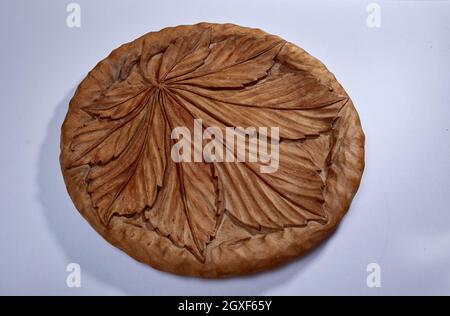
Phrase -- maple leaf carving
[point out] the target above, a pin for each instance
(234, 82)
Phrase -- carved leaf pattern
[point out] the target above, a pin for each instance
(233, 83)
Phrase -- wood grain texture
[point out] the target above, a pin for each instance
(210, 219)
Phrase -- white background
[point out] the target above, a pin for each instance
(398, 76)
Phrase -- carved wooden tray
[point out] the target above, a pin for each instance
(204, 218)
